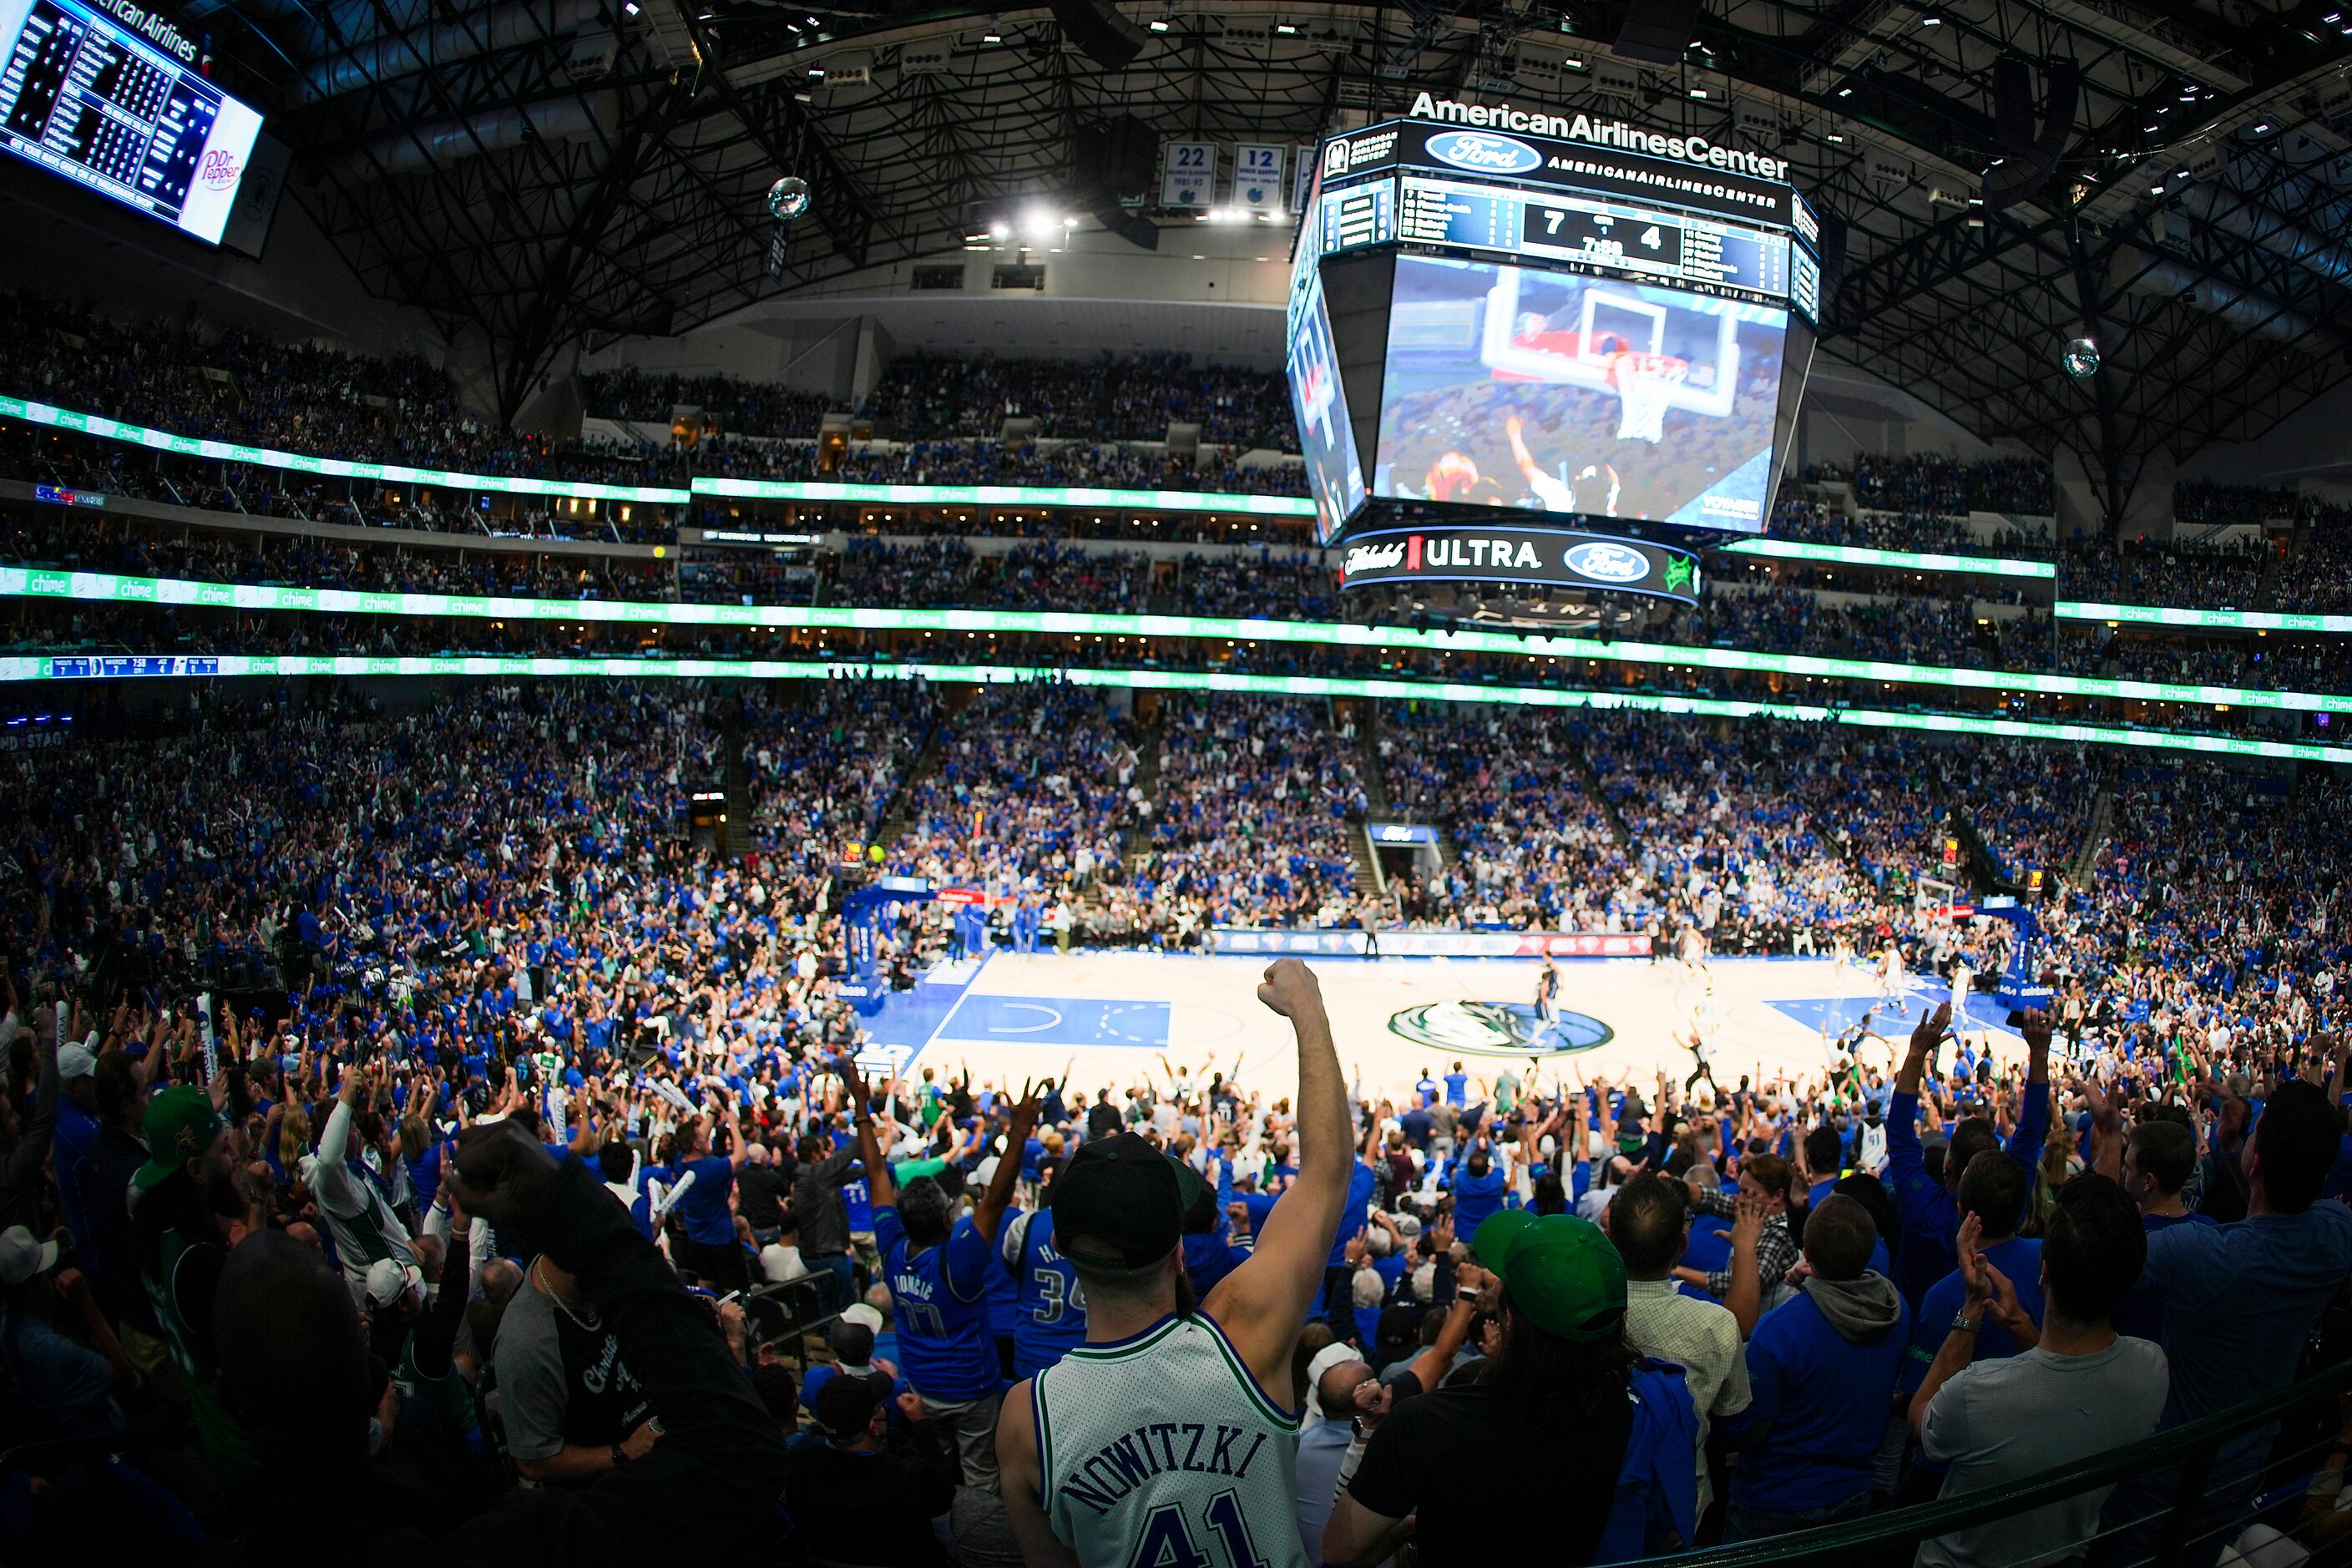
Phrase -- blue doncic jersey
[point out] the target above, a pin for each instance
(1052, 1318)
(940, 1298)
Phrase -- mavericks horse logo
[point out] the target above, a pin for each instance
(1498, 1029)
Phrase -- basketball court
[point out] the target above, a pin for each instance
(1109, 1017)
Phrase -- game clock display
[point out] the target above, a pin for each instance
(83, 98)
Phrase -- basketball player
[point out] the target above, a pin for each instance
(1555, 496)
(1547, 993)
(1155, 1441)
(1892, 989)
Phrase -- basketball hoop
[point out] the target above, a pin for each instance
(1645, 389)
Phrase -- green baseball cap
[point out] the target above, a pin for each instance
(1559, 1269)
(181, 1124)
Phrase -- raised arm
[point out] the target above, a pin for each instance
(2033, 1102)
(1262, 1304)
(878, 1184)
(990, 1211)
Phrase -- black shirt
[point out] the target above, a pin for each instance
(759, 1197)
(871, 1507)
(1487, 1485)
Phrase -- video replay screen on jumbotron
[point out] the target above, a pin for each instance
(1566, 324)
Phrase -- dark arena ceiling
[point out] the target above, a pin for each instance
(548, 173)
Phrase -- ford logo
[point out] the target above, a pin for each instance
(1486, 154)
(1608, 562)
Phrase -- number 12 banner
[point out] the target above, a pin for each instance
(1257, 178)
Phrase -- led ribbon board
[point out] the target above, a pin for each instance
(208, 666)
(1006, 495)
(1904, 560)
(100, 426)
(103, 587)
(2222, 620)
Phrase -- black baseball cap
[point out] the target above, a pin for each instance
(845, 1405)
(1121, 1204)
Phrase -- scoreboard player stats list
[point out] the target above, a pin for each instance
(79, 98)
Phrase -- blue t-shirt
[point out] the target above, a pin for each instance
(1362, 1183)
(69, 1150)
(2140, 1315)
(2018, 1258)
(1826, 1398)
(1475, 1197)
(2239, 1301)
(1457, 1088)
(708, 1220)
(940, 1298)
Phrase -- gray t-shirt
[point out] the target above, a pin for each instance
(560, 1379)
(529, 1365)
(2001, 1421)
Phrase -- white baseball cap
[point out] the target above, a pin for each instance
(388, 1280)
(862, 1315)
(76, 1061)
(21, 1257)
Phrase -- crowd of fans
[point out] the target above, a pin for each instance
(726, 402)
(1131, 398)
(343, 1236)
(1946, 487)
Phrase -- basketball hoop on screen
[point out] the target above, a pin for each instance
(1645, 389)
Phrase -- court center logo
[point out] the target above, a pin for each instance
(1498, 1029)
(1483, 153)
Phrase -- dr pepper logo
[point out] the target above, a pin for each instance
(220, 171)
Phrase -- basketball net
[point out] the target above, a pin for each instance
(1645, 389)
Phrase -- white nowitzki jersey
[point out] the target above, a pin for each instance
(1163, 1449)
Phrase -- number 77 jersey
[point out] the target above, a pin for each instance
(1162, 1451)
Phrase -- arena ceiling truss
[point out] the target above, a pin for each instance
(548, 173)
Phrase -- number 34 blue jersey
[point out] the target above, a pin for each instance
(1053, 1306)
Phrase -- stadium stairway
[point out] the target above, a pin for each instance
(1369, 873)
(926, 763)
(1984, 865)
(2084, 864)
(1590, 777)
(1135, 838)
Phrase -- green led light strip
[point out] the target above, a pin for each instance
(1006, 495)
(109, 429)
(21, 582)
(334, 467)
(2238, 620)
(1856, 555)
(209, 667)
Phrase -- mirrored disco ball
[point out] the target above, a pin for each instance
(2081, 359)
(788, 198)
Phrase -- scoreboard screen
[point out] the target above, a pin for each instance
(1545, 324)
(87, 99)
